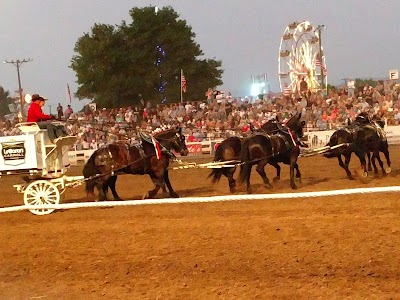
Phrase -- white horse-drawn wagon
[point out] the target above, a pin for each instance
(41, 163)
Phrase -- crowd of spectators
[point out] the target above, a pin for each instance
(221, 116)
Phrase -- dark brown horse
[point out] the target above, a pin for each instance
(228, 149)
(111, 160)
(262, 149)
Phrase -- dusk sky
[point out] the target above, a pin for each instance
(361, 38)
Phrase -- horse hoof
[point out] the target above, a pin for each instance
(275, 179)
(118, 199)
(249, 191)
(174, 195)
(294, 187)
(388, 170)
(145, 196)
(233, 190)
(361, 173)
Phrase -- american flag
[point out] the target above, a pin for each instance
(287, 91)
(319, 64)
(183, 83)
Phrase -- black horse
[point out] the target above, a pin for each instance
(229, 149)
(261, 149)
(363, 136)
(117, 158)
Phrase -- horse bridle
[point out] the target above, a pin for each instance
(177, 140)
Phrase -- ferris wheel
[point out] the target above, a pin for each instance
(301, 57)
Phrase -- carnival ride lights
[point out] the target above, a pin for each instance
(300, 57)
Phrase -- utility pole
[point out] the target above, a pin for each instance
(320, 55)
(17, 63)
(49, 108)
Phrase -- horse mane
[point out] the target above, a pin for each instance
(163, 129)
(292, 121)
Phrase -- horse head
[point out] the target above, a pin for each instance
(173, 139)
(296, 125)
(271, 126)
(378, 120)
(362, 118)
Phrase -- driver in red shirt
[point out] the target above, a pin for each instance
(35, 113)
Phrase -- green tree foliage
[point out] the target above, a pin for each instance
(5, 100)
(360, 83)
(116, 64)
(330, 87)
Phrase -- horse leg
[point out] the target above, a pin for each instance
(102, 190)
(361, 156)
(369, 162)
(172, 193)
(228, 172)
(260, 169)
(292, 183)
(158, 183)
(385, 151)
(298, 174)
(278, 171)
(375, 156)
(345, 165)
(248, 175)
(111, 183)
(293, 162)
(378, 157)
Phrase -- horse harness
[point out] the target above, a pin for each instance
(372, 125)
(281, 133)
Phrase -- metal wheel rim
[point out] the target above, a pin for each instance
(41, 192)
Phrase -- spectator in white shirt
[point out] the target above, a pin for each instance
(350, 87)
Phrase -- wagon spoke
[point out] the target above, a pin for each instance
(34, 202)
(41, 187)
(51, 199)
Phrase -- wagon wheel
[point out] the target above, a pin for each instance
(41, 192)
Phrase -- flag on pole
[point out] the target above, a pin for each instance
(69, 93)
(319, 64)
(287, 91)
(183, 82)
(156, 147)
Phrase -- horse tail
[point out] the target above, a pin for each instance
(217, 172)
(245, 168)
(90, 170)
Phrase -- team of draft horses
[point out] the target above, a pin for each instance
(275, 142)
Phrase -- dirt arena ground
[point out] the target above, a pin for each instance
(344, 247)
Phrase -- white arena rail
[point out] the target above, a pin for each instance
(206, 199)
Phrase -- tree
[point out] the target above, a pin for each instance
(116, 64)
(360, 83)
(5, 100)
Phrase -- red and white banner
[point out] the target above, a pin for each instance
(156, 147)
